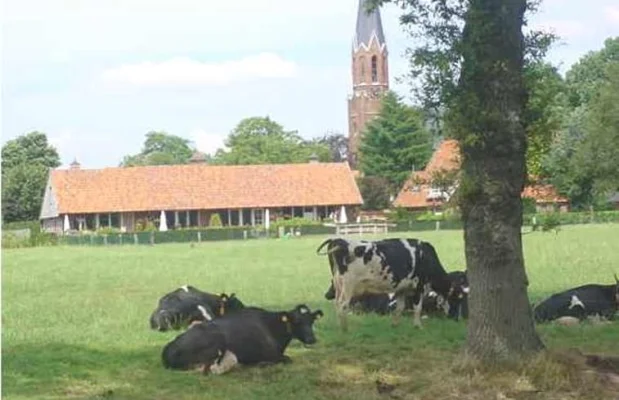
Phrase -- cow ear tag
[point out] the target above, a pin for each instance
(284, 318)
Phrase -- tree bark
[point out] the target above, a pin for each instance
(489, 116)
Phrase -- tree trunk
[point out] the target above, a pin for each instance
(489, 110)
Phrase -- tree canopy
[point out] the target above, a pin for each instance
(260, 140)
(161, 148)
(26, 162)
(394, 142)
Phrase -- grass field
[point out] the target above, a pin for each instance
(75, 322)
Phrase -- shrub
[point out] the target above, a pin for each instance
(215, 221)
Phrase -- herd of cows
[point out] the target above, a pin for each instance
(384, 276)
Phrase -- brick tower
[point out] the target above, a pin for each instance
(370, 76)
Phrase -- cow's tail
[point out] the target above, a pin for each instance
(323, 244)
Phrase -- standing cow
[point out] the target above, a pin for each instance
(180, 307)
(580, 302)
(404, 267)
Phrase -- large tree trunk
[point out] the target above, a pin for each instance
(489, 111)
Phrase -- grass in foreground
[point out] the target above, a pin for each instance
(75, 323)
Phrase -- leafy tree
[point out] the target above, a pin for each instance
(472, 62)
(599, 152)
(544, 112)
(394, 142)
(375, 192)
(26, 162)
(337, 144)
(31, 148)
(584, 77)
(160, 148)
(560, 166)
(260, 140)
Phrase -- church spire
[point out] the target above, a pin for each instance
(369, 26)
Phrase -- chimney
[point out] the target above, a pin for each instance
(74, 164)
(313, 159)
(197, 158)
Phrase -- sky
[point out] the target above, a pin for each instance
(96, 76)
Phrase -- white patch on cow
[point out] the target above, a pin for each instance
(432, 293)
(466, 289)
(227, 362)
(575, 301)
(205, 313)
(411, 250)
(185, 288)
(391, 296)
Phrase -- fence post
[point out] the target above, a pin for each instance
(120, 238)
(244, 235)
(135, 238)
(438, 225)
(105, 240)
(152, 238)
(92, 239)
(199, 236)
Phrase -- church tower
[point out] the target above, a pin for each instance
(370, 76)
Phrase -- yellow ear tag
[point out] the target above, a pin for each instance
(284, 318)
(221, 309)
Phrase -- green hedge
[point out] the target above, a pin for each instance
(37, 238)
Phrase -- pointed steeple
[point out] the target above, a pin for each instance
(369, 26)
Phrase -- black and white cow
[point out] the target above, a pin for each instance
(580, 302)
(433, 304)
(249, 336)
(404, 267)
(180, 307)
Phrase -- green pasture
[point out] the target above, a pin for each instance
(75, 321)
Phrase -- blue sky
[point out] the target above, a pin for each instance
(97, 75)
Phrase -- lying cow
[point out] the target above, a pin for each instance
(580, 302)
(404, 267)
(180, 307)
(249, 336)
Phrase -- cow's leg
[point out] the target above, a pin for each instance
(227, 362)
(417, 307)
(342, 302)
(400, 304)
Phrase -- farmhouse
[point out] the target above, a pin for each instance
(421, 193)
(187, 195)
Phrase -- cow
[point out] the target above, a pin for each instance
(580, 302)
(180, 307)
(404, 267)
(433, 304)
(250, 336)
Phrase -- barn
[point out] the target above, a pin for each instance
(181, 196)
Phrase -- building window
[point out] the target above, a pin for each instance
(374, 69)
(258, 220)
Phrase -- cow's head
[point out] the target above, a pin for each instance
(299, 322)
(229, 303)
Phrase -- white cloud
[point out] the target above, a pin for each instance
(612, 14)
(183, 71)
(207, 142)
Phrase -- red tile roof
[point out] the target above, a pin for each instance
(200, 186)
(446, 157)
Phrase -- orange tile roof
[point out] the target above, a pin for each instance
(446, 157)
(200, 186)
